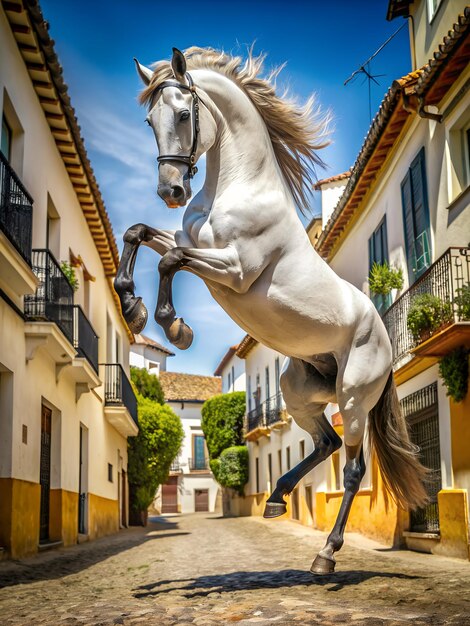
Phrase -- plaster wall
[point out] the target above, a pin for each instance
(236, 368)
(330, 195)
(256, 362)
(430, 30)
(147, 358)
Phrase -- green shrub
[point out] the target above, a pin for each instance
(222, 421)
(214, 464)
(70, 275)
(462, 301)
(427, 313)
(147, 384)
(233, 468)
(151, 453)
(453, 369)
(383, 278)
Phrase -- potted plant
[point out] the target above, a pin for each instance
(462, 300)
(383, 279)
(69, 273)
(453, 369)
(427, 313)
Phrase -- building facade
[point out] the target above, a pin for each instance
(406, 204)
(66, 404)
(191, 486)
(149, 354)
(231, 370)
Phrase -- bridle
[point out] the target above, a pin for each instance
(191, 159)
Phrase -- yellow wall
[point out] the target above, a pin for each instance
(460, 436)
(19, 516)
(63, 524)
(453, 522)
(243, 506)
(103, 516)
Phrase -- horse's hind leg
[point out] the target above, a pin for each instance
(306, 394)
(326, 441)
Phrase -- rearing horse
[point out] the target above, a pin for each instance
(241, 234)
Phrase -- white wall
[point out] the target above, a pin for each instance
(233, 375)
(330, 195)
(147, 358)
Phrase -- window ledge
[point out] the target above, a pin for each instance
(414, 535)
(461, 197)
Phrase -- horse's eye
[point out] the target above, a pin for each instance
(148, 121)
(184, 116)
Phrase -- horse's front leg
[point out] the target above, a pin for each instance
(133, 309)
(214, 264)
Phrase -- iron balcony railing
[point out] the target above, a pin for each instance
(53, 299)
(85, 340)
(198, 464)
(16, 210)
(175, 467)
(265, 414)
(446, 278)
(118, 389)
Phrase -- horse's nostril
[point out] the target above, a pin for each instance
(177, 191)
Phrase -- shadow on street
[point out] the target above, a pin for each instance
(240, 581)
(73, 559)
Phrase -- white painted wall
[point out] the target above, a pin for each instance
(233, 375)
(40, 167)
(148, 358)
(330, 195)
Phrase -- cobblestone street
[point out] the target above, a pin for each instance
(203, 570)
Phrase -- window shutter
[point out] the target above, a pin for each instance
(408, 222)
(420, 200)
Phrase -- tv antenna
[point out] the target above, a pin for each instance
(365, 69)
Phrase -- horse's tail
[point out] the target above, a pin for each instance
(397, 456)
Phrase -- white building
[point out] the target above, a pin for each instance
(191, 486)
(407, 203)
(231, 369)
(149, 354)
(66, 404)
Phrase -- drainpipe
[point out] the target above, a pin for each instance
(416, 105)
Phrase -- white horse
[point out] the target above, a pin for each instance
(241, 234)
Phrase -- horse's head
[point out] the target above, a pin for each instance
(183, 129)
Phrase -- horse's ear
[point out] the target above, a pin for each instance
(178, 65)
(145, 73)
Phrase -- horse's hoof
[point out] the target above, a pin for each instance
(321, 565)
(180, 334)
(139, 318)
(274, 509)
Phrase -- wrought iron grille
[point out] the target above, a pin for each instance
(198, 464)
(53, 299)
(175, 467)
(273, 409)
(421, 411)
(444, 279)
(85, 340)
(82, 513)
(118, 389)
(255, 418)
(16, 210)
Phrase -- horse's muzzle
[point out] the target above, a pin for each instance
(173, 195)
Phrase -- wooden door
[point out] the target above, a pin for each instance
(45, 472)
(170, 495)
(124, 499)
(201, 500)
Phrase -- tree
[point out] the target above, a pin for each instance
(222, 422)
(151, 454)
(147, 384)
(222, 425)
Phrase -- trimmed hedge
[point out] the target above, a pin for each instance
(222, 422)
(233, 468)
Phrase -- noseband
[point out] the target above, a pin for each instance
(191, 159)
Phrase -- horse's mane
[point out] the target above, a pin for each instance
(296, 131)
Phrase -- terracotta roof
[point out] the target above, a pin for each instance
(225, 359)
(189, 387)
(245, 346)
(143, 340)
(332, 179)
(30, 31)
(404, 97)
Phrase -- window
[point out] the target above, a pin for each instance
(233, 378)
(277, 375)
(257, 474)
(110, 472)
(309, 499)
(335, 475)
(279, 459)
(229, 383)
(288, 457)
(249, 393)
(6, 139)
(416, 218)
(268, 394)
(433, 5)
(199, 452)
(302, 449)
(378, 253)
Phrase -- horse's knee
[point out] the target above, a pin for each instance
(135, 234)
(170, 261)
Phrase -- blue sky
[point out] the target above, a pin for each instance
(322, 43)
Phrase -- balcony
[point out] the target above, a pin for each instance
(85, 340)
(16, 219)
(120, 401)
(268, 415)
(448, 279)
(198, 465)
(175, 467)
(49, 312)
